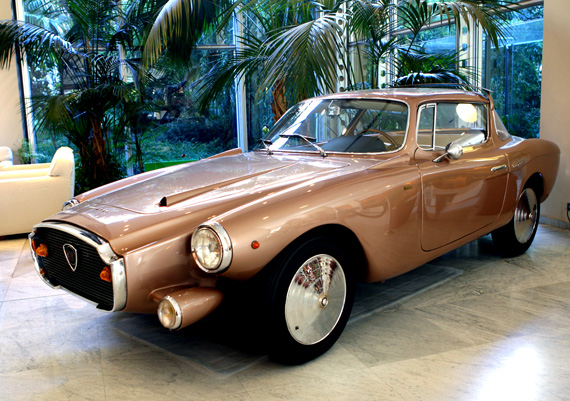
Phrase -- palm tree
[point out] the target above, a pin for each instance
(297, 47)
(96, 46)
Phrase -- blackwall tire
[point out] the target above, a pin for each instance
(516, 237)
(309, 299)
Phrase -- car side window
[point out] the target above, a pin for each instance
(464, 123)
(426, 126)
(500, 127)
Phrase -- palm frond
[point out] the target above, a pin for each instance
(30, 39)
(305, 57)
(178, 27)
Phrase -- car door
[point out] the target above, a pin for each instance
(459, 196)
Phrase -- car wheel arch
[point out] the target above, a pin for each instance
(337, 233)
(536, 182)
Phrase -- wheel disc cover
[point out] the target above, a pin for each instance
(315, 299)
(526, 216)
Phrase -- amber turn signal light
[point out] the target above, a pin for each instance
(106, 275)
(42, 250)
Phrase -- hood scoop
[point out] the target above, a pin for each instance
(173, 199)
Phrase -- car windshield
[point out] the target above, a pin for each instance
(340, 125)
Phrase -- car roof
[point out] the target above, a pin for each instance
(418, 94)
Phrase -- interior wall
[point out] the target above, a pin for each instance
(555, 107)
(11, 132)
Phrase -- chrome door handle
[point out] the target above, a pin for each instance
(497, 168)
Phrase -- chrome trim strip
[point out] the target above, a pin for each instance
(498, 168)
(115, 262)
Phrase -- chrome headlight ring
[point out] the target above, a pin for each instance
(211, 247)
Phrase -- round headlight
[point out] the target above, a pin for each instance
(211, 248)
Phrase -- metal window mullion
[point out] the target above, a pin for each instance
(239, 87)
(434, 126)
(24, 84)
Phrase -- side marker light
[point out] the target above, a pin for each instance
(255, 245)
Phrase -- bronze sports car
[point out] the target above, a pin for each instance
(356, 186)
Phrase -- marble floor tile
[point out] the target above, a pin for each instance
(406, 334)
(11, 248)
(7, 268)
(234, 397)
(268, 374)
(25, 263)
(499, 331)
(476, 373)
(30, 286)
(354, 385)
(495, 314)
(78, 382)
(65, 345)
(45, 313)
(155, 374)
(3, 289)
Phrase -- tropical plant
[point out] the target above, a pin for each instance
(102, 96)
(298, 47)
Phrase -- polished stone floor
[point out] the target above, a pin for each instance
(500, 330)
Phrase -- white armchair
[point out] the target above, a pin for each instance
(31, 193)
(6, 157)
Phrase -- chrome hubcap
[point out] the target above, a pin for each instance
(315, 299)
(526, 215)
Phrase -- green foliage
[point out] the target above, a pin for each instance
(514, 73)
(96, 96)
(298, 49)
(521, 111)
(26, 154)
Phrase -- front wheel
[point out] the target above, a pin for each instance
(309, 296)
(516, 237)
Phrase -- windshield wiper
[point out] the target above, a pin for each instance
(266, 143)
(307, 139)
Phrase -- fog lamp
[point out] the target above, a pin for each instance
(169, 313)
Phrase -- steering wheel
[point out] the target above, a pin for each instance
(381, 133)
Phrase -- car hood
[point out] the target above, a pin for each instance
(179, 198)
(217, 179)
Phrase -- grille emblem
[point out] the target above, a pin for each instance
(70, 255)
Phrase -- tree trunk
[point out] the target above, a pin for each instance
(99, 150)
(279, 102)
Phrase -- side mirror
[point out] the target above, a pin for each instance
(452, 150)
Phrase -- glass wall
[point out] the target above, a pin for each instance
(514, 72)
(170, 127)
(438, 40)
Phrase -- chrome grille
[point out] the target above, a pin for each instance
(85, 281)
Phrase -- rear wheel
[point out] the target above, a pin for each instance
(309, 297)
(516, 237)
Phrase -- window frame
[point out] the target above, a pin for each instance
(434, 105)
